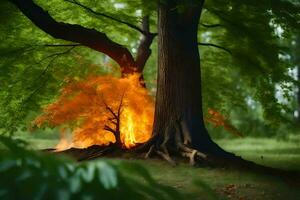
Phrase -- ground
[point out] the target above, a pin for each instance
(224, 183)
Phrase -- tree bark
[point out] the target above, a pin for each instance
(178, 121)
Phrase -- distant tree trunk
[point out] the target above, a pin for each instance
(178, 113)
(297, 62)
(298, 97)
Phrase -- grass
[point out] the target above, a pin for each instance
(271, 152)
(224, 183)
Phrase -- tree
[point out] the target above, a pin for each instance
(179, 114)
(178, 118)
(101, 110)
(185, 113)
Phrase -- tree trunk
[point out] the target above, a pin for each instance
(179, 120)
(297, 63)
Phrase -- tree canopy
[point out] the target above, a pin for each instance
(247, 54)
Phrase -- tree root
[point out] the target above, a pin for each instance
(193, 155)
(165, 155)
(175, 143)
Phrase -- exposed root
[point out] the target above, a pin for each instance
(174, 143)
(150, 152)
(166, 156)
(186, 135)
(191, 156)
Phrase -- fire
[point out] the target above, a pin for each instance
(98, 109)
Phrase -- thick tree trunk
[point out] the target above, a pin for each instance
(179, 120)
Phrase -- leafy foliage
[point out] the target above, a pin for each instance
(30, 175)
(255, 66)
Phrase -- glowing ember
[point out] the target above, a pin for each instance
(100, 108)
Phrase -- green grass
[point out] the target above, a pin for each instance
(43, 139)
(283, 154)
(271, 152)
(246, 185)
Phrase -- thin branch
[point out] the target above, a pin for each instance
(33, 93)
(29, 48)
(216, 46)
(106, 16)
(120, 106)
(113, 121)
(61, 45)
(109, 109)
(107, 128)
(43, 84)
(55, 56)
(210, 25)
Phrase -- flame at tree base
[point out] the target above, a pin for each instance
(100, 108)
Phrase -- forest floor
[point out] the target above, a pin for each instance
(231, 184)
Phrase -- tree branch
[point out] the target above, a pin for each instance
(54, 57)
(109, 109)
(107, 128)
(62, 45)
(144, 50)
(120, 106)
(216, 46)
(106, 16)
(210, 25)
(76, 33)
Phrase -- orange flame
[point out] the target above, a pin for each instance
(93, 107)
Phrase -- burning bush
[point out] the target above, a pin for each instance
(101, 110)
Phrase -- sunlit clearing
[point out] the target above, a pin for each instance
(101, 110)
